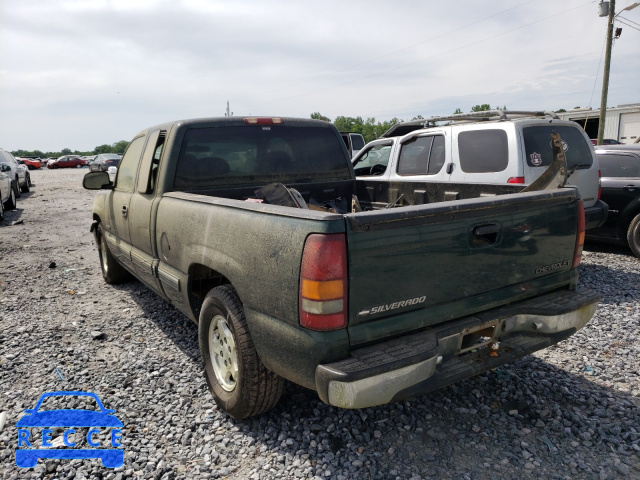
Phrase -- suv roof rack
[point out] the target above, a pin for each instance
(403, 128)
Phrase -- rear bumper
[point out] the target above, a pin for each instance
(596, 216)
(418, 363)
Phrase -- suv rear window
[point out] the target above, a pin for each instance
(483, 151)
(241, 155)
(539, 152)
(619, 165)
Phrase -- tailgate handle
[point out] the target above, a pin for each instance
(485, 235)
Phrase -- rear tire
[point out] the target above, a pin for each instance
(1, 211)
(27, 184)
(633, 236)
(17, 187)
(11, 203)
(112, 271)
(238, 380)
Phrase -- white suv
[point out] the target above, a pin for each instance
(493, 147)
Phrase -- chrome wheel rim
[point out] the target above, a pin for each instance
(223, 354)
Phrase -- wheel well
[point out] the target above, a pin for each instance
(201, 280)
(629, 215)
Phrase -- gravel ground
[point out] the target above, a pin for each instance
(568, 412)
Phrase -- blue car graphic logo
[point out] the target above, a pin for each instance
(69, 420)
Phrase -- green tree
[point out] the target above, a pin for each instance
(319, 116)
(65, 151)
(481, 108)
(120, 147)
(457, 111)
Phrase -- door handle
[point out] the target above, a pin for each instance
(484, 235)
(125, 210)
(631, 188)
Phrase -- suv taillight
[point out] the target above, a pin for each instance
(323, 282)
(515, 180)
(577, 253)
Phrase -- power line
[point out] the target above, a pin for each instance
(628, 25)
(392, 52)
(432, 56)
(595, 81)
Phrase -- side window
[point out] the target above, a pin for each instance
(437, 158)
(128, 167)
(483, 151)
(150, 161)
(422, 155)
(357, 141)
(414, 156)
(619, 166)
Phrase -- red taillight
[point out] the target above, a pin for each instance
(323, 282)
(577, 253)
(263, 120)
(599, 184)
(516, 180)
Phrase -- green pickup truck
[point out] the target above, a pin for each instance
(368, 293)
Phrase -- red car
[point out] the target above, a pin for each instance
(67, 161)
(30, 162)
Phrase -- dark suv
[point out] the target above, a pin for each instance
(620, 168)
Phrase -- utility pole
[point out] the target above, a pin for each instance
(228, 113)
(607, 67)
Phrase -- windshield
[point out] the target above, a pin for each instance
(373, 161)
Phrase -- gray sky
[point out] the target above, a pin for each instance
(80, 73)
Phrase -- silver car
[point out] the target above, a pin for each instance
(7, 192)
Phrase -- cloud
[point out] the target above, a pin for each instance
(84, 73)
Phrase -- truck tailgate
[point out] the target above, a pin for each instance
(412, 267)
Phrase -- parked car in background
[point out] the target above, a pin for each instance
(620, 167)
(7, 193)
(18, 173)
(606, 141)
(31, 164)
(67, 161)
(45, 161)
(489, 147)
(103, 161)
(353, 141)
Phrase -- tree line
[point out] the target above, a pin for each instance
(370, 129)
(117, 147)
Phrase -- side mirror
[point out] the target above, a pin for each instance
(5, 168)
(97, 181)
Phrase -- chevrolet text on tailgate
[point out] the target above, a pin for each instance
(257, 229)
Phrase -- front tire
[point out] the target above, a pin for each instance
(633, 236)
(112, 271)
(1, 211)
(238, 380)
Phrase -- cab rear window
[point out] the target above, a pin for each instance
(241, 155)
(539, 151)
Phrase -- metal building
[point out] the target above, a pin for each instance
(622, 123)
